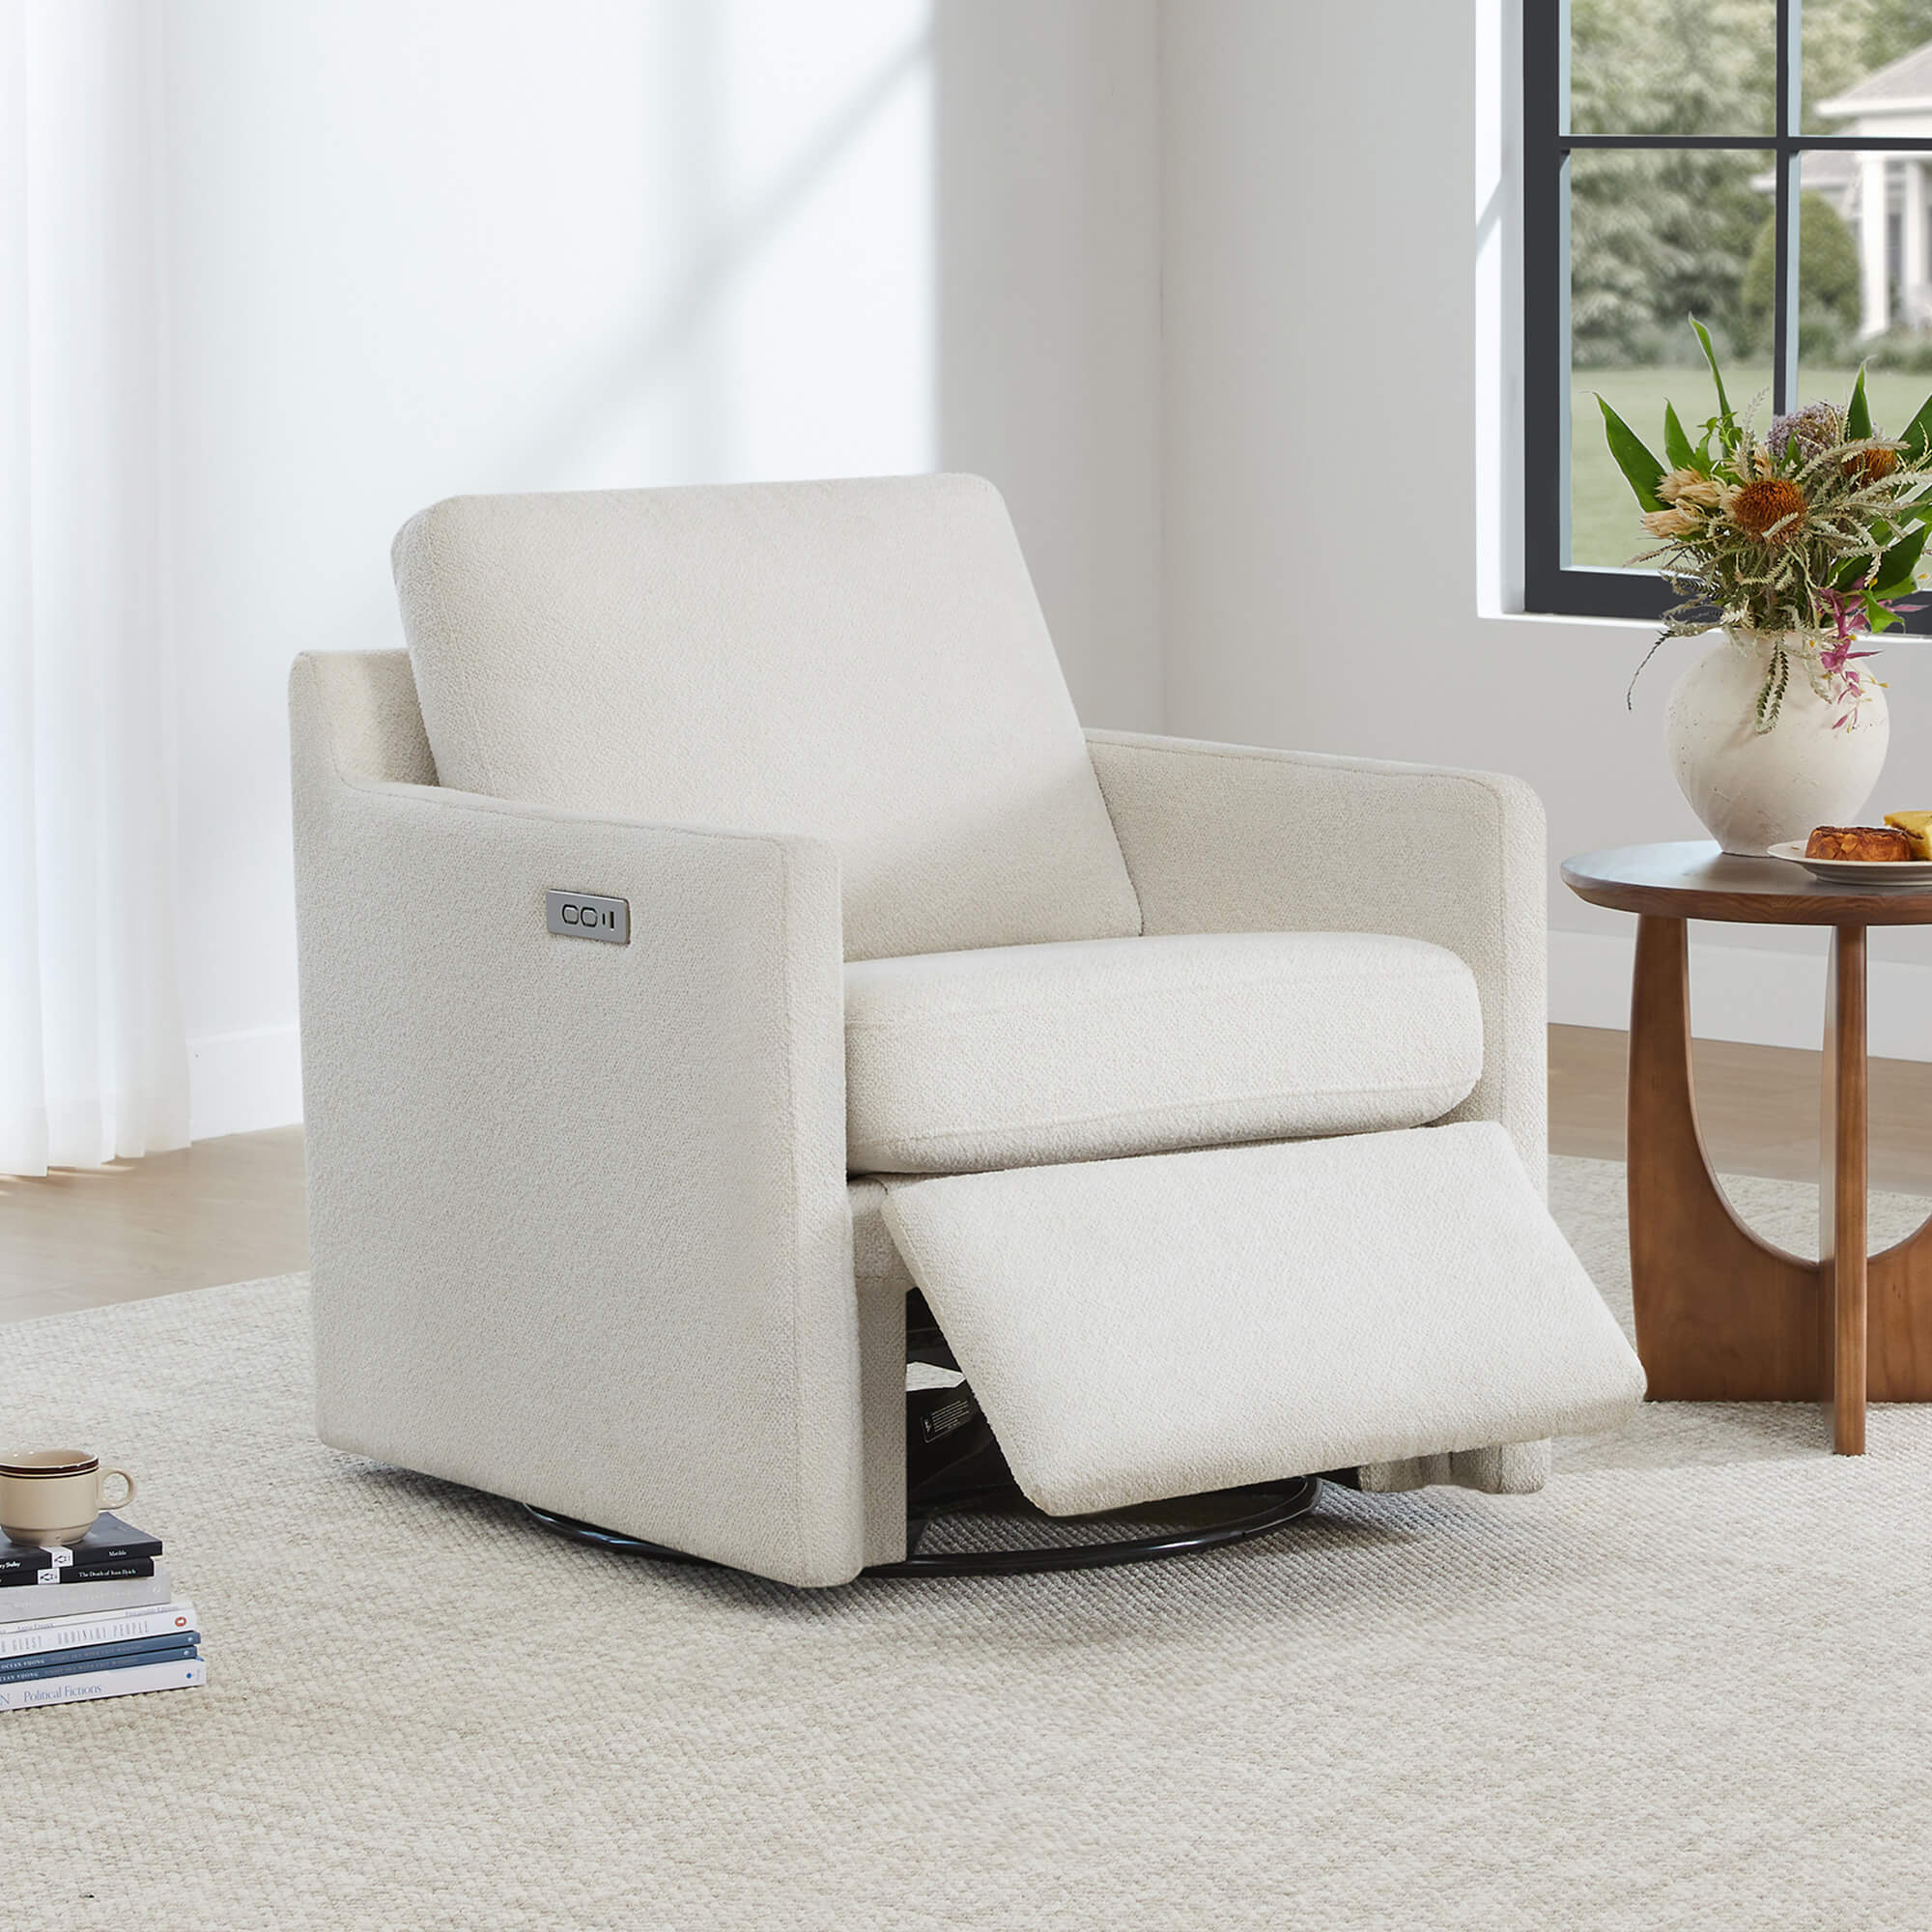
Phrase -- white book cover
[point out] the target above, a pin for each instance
(74, 1632)
(85, 1685)
(36, 1602)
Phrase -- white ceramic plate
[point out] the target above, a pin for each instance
(1860, 872)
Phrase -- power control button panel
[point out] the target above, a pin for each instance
(589, 916)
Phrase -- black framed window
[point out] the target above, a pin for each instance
(1764, 164)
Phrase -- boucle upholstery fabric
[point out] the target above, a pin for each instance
(698, 1357)
(1155, 1327)
(1233, 839)
(864, 663)
(577, 1212)
(1018, 1055)
(1500, 1469)
(883, 1285)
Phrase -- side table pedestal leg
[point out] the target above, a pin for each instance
(1721, 1316)
(1841, 1193)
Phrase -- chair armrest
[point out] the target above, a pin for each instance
(577, 1211)
(1230, 839)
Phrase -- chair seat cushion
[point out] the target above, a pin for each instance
(1018, 1055)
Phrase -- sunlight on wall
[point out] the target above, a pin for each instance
(476, 245)
(832, 324)
(792, 330)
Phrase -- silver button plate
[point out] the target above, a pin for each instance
(589, 916)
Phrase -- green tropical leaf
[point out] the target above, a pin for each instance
(1727, 424)
(1857, 412)
(1918, 433)
(1897, 565)
(1642, 470)
(1676, 444)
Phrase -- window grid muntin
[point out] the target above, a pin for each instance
(1550, 585)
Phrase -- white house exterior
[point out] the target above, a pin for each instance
(1883, 197)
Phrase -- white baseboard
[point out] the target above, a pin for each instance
(1766, 998)
(238, 1082)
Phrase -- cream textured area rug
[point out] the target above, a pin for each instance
(1688, 1686)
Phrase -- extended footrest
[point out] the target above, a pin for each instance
(1176, 1324)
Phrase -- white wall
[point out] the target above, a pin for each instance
(1197, 282)
(418, 247)
(1329, 179)
(1049, 314)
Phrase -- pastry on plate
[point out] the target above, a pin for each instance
(1870, 842)
(1917, 827)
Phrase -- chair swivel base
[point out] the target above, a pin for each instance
(1273, 1506)
(955, 1467)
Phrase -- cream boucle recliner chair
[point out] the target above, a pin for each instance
(728, 927)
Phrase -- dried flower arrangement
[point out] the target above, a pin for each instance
(1804, 538)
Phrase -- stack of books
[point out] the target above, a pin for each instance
(100, 1620)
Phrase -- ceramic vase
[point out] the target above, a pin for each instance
(1752, 789)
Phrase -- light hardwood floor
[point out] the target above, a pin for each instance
(232, 1209)
(1758, 1106)
(229, 1209)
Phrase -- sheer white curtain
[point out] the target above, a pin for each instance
(93, 1055)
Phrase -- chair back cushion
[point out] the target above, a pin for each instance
(863, 661)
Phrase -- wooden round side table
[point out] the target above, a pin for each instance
(1723, 1316)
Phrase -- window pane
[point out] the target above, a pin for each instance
(1656, 238)
(1668, 67)
(1863, 291)
(1867, 68)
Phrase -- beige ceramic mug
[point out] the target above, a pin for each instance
(52, 1495)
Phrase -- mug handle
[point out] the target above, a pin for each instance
(126, 1478)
